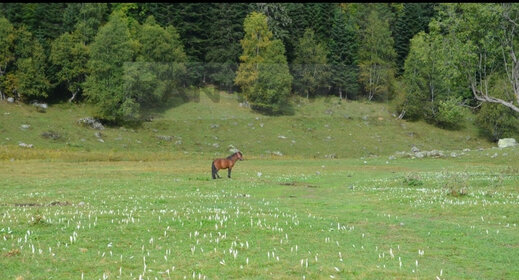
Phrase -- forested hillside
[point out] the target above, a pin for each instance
(430, 61)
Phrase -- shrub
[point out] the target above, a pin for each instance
(450, 113)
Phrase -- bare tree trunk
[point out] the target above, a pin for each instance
(73, 96)
(484, 97)
(480, 88)
(402, 114)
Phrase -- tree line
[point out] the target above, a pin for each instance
(432, 60)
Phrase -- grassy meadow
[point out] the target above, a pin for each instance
(138, 207)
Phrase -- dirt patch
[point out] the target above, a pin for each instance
(27, 204)
(13, 252)
(32, 204)
(59, 203)
(296, 184)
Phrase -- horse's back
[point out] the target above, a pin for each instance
(220, 163)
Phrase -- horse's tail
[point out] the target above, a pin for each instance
(213, 169)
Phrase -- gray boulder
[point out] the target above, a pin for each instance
(164, 138)
(40, 107)
(91, 122)
(232, 149)
(506, 142)
(10, 99)
(25, 145)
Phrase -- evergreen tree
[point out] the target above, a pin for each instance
(300, 22)
(317, 16)
(322, 19)
(193, 28)
(70, 16)
(224, 43)
(309, 68)
(413, 18)
(12, 12)
(263, 74)
(193, 24)
(278, 19)
(90, 17)
(49, 23)
(343, 50)
(162, 12)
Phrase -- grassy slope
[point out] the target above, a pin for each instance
(206, 128)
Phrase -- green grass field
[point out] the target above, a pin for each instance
(143, 208)
(313, 219)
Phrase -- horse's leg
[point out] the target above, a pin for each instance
(229, 172)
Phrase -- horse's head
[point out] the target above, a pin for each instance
(239, 155)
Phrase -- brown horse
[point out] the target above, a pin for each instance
(223, 163)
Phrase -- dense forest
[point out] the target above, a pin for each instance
(432, 61)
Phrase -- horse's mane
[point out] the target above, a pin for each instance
(230, 157)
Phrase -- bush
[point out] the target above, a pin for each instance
(450, 113)
(413, 181)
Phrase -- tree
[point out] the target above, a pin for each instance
(343, 55)
(90, 17)
(501, 37)
(263, 74)
(376, 56)
(29, 81)
(421, 78)
(70, 54)
(224, 40)
(193, 24)
(432, 86)
(494, 120)
(272, 88)
(278, 19)
(112, 47)
(485, 37)
(318, 16)
(322, 16)
(411, 19)
(7, 36)
(159, 66)
(309, 68)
